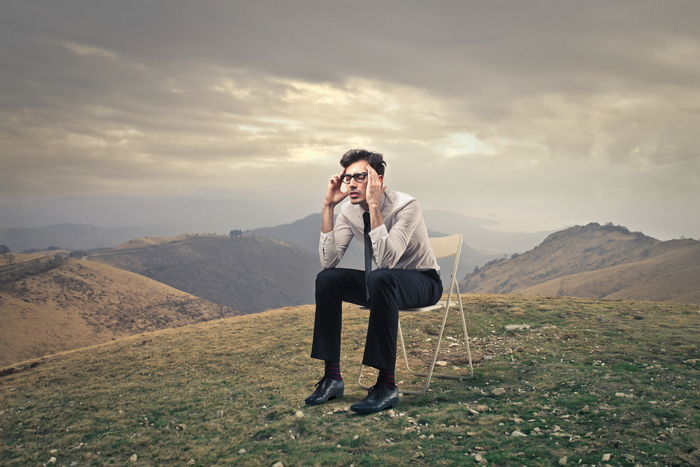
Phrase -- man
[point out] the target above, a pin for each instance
(391, 226)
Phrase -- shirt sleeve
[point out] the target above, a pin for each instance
(332, 245)
(389, 245)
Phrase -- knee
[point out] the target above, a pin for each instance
(380, 279)
(327, 278)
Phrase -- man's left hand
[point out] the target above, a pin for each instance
(375, 188)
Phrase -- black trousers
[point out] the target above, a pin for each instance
(389, 289)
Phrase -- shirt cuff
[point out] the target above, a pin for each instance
(377, 234)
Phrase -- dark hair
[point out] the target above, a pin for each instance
(375, 159)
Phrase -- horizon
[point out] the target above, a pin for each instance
(290, 217)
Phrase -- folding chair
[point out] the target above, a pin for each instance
(443, 247)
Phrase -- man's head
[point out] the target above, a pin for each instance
(374, 159)
(355, 163)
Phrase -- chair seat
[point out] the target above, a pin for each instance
(437, 306)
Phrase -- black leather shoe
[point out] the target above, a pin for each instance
(378, 398)
(326, 389)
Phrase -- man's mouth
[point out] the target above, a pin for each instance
(354, 194)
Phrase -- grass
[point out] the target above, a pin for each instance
(588, 378)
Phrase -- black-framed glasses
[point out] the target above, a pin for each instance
(359, 177)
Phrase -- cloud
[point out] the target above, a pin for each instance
(520, 107)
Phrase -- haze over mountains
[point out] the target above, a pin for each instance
(488, 242)
(72, 236)
(123, 219)
(168, 215)
(86, 223)
(597, 261)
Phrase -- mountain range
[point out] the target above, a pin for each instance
(89, 223)
(170, 281)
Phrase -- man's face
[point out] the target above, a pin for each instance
(357, 190)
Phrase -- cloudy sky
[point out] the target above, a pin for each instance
(533, 114)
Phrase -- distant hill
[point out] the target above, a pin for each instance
(588, 249)
(81, 303)
(249, 273)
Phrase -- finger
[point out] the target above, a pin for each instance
(339, 177)
(372, 175)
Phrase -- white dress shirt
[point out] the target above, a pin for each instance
(400, 243)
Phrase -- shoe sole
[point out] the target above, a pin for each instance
(390, 405)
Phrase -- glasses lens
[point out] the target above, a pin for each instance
(347, 178)
(361, 176)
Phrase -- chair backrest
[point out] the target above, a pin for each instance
(446, 246)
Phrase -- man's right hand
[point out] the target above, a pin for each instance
(333, 193)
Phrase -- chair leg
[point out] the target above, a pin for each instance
(430, 374)
(359, 378)
(403, 347)
(435, 355)
(464, 329)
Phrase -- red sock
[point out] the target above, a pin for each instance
(386, 377)
(333, 370)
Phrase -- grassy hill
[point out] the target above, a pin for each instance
(80, 303)
(594, 250)
(16, 258)
(144, 242)
(588, 379)
(237, 272)
(670, 276)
